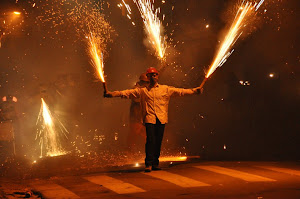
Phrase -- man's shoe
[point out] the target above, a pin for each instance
(156, 168)
(148, 169)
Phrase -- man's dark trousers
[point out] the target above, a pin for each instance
(155, 133)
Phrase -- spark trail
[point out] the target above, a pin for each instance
(153, 26)
(245, 11)
(96, 59)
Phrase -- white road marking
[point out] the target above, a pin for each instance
(176, 179)
(115, 185)
(282, 170)
(51, 190)
(235, 173)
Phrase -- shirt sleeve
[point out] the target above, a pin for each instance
(130, 93)
(136, 100)
(180, 91)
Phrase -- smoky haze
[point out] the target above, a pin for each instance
(229, 120)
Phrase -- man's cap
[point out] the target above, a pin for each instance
(151, 70)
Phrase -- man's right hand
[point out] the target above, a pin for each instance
(108, 94)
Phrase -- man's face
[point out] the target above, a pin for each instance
(153, 77)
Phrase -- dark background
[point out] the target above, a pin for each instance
(229, 121)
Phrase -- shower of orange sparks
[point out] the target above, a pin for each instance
(97, 61)
(153, 26)
(245, 10)
(46, 114)
(48, 135)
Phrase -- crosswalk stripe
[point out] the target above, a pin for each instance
(115, 185)
(235, 173)
(176, 179)
(282, 170)
(51, 190)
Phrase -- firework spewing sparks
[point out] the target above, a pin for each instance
(245, 11)
(49, 137)
(97, 61)
(153, 26)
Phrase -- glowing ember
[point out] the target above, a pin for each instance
(245, 11)
(173, 159)
(49, 137)
(97, 61)
(165, 159)
(17, 13)
(153, 26)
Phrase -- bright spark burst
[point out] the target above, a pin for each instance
(49, 142)
(246, 10)
(152, 25)
(96, 60)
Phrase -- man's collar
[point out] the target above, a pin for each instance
(156, 85)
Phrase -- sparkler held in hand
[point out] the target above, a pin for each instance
(245, 11)
(96, 60)
(203, 82)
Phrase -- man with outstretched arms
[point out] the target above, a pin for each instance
(154, 102)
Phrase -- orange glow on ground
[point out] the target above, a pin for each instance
(173, 159)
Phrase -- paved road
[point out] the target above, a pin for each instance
(236, 180)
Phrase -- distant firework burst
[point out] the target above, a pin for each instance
(51, 132)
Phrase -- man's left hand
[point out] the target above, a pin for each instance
(199, 90)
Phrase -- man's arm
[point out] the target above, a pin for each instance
(182, 91)
(109, 94)
(129, 94)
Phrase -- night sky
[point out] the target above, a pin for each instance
(258, 120)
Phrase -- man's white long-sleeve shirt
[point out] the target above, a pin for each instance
(155, 101)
